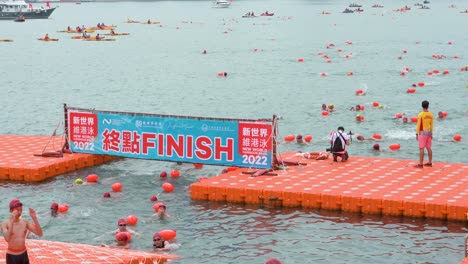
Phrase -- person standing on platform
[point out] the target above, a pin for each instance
(15, 230)
(424, 129)
(339, 140)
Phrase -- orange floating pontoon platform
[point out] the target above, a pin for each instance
(362, 184)
(51, 252)
(33, 158)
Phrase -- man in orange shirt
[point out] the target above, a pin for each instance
(424, 130)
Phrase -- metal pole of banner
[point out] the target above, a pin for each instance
(66, 146)
(275, 134)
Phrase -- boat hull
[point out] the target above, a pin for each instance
(35, 14)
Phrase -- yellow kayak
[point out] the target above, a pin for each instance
(102, 28)
(49, 39)
(81, 37)
(6, 40)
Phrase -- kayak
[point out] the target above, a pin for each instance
(49, 39)
(103, 39)
(75, 31)
(151, 23)
(6, 40)
(103, 28)
(116, 34)
(267, 14)
(132, 21)
(81, 37)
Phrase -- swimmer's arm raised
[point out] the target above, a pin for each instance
(36, 227)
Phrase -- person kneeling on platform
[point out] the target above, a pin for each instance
(339, 140)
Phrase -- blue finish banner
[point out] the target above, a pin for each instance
(225, 142)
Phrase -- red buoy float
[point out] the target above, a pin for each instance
(168, 234)
(414, 119)
(377, 136)
(308, 138)
(421, 84)
(457, 137)
(411, 90)
(167, 187)
(92, 178)
(117, 187)
(289, 138)
(132, 220)
(394, 147)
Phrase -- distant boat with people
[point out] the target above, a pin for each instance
(11, 9)
(347, 10)
(221, 4)
(355, 5)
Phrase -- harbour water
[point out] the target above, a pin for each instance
(161, 69)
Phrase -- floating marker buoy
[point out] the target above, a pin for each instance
(377, 136)
(457, 137)
(394, 147)
(359, 92)
(289, 138)
(117, 187)
(445, 72)
(167, 187)
(375, 104)
(62, 208)
(175, 173)
(398, 115)
(132, 220)
(414, 119)
(411, 90)
(308, 138)
(92, 178)
(168, 234)
(300, 60)
(421, 84)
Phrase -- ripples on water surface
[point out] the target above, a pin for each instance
(161, 70)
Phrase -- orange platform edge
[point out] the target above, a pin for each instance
(366, 185)
(18, 163)
(53, 252)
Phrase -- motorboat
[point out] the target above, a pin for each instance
(12, 9)
(20, 19)
(221, 4)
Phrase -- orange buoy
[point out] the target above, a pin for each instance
(220, 74)
(168, 234)
(175, 173)
(62, 208)
(123, 236)
(324, 113)
(429, 73)
(323, 74)
(421, 84)
(308, 138)
(117, 187)
(444, 114)
(377, 136)
(411, 90)
(402, 73)
(198, 165)
(132, 220)
(350, 74)
(359, 118)
(289, 138)
(414, 119)
(167, 187)
(457, 137)
(375, 104)
(300, 60)
(361, 107)
(92, 178)
(394, 147)
(329, 61)
(398, 115)
(445, 72)
(435, 71)
(359, 92)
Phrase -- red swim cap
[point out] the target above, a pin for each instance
(54, 206)
(273, 261)
(121, 221)
(15, 203)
